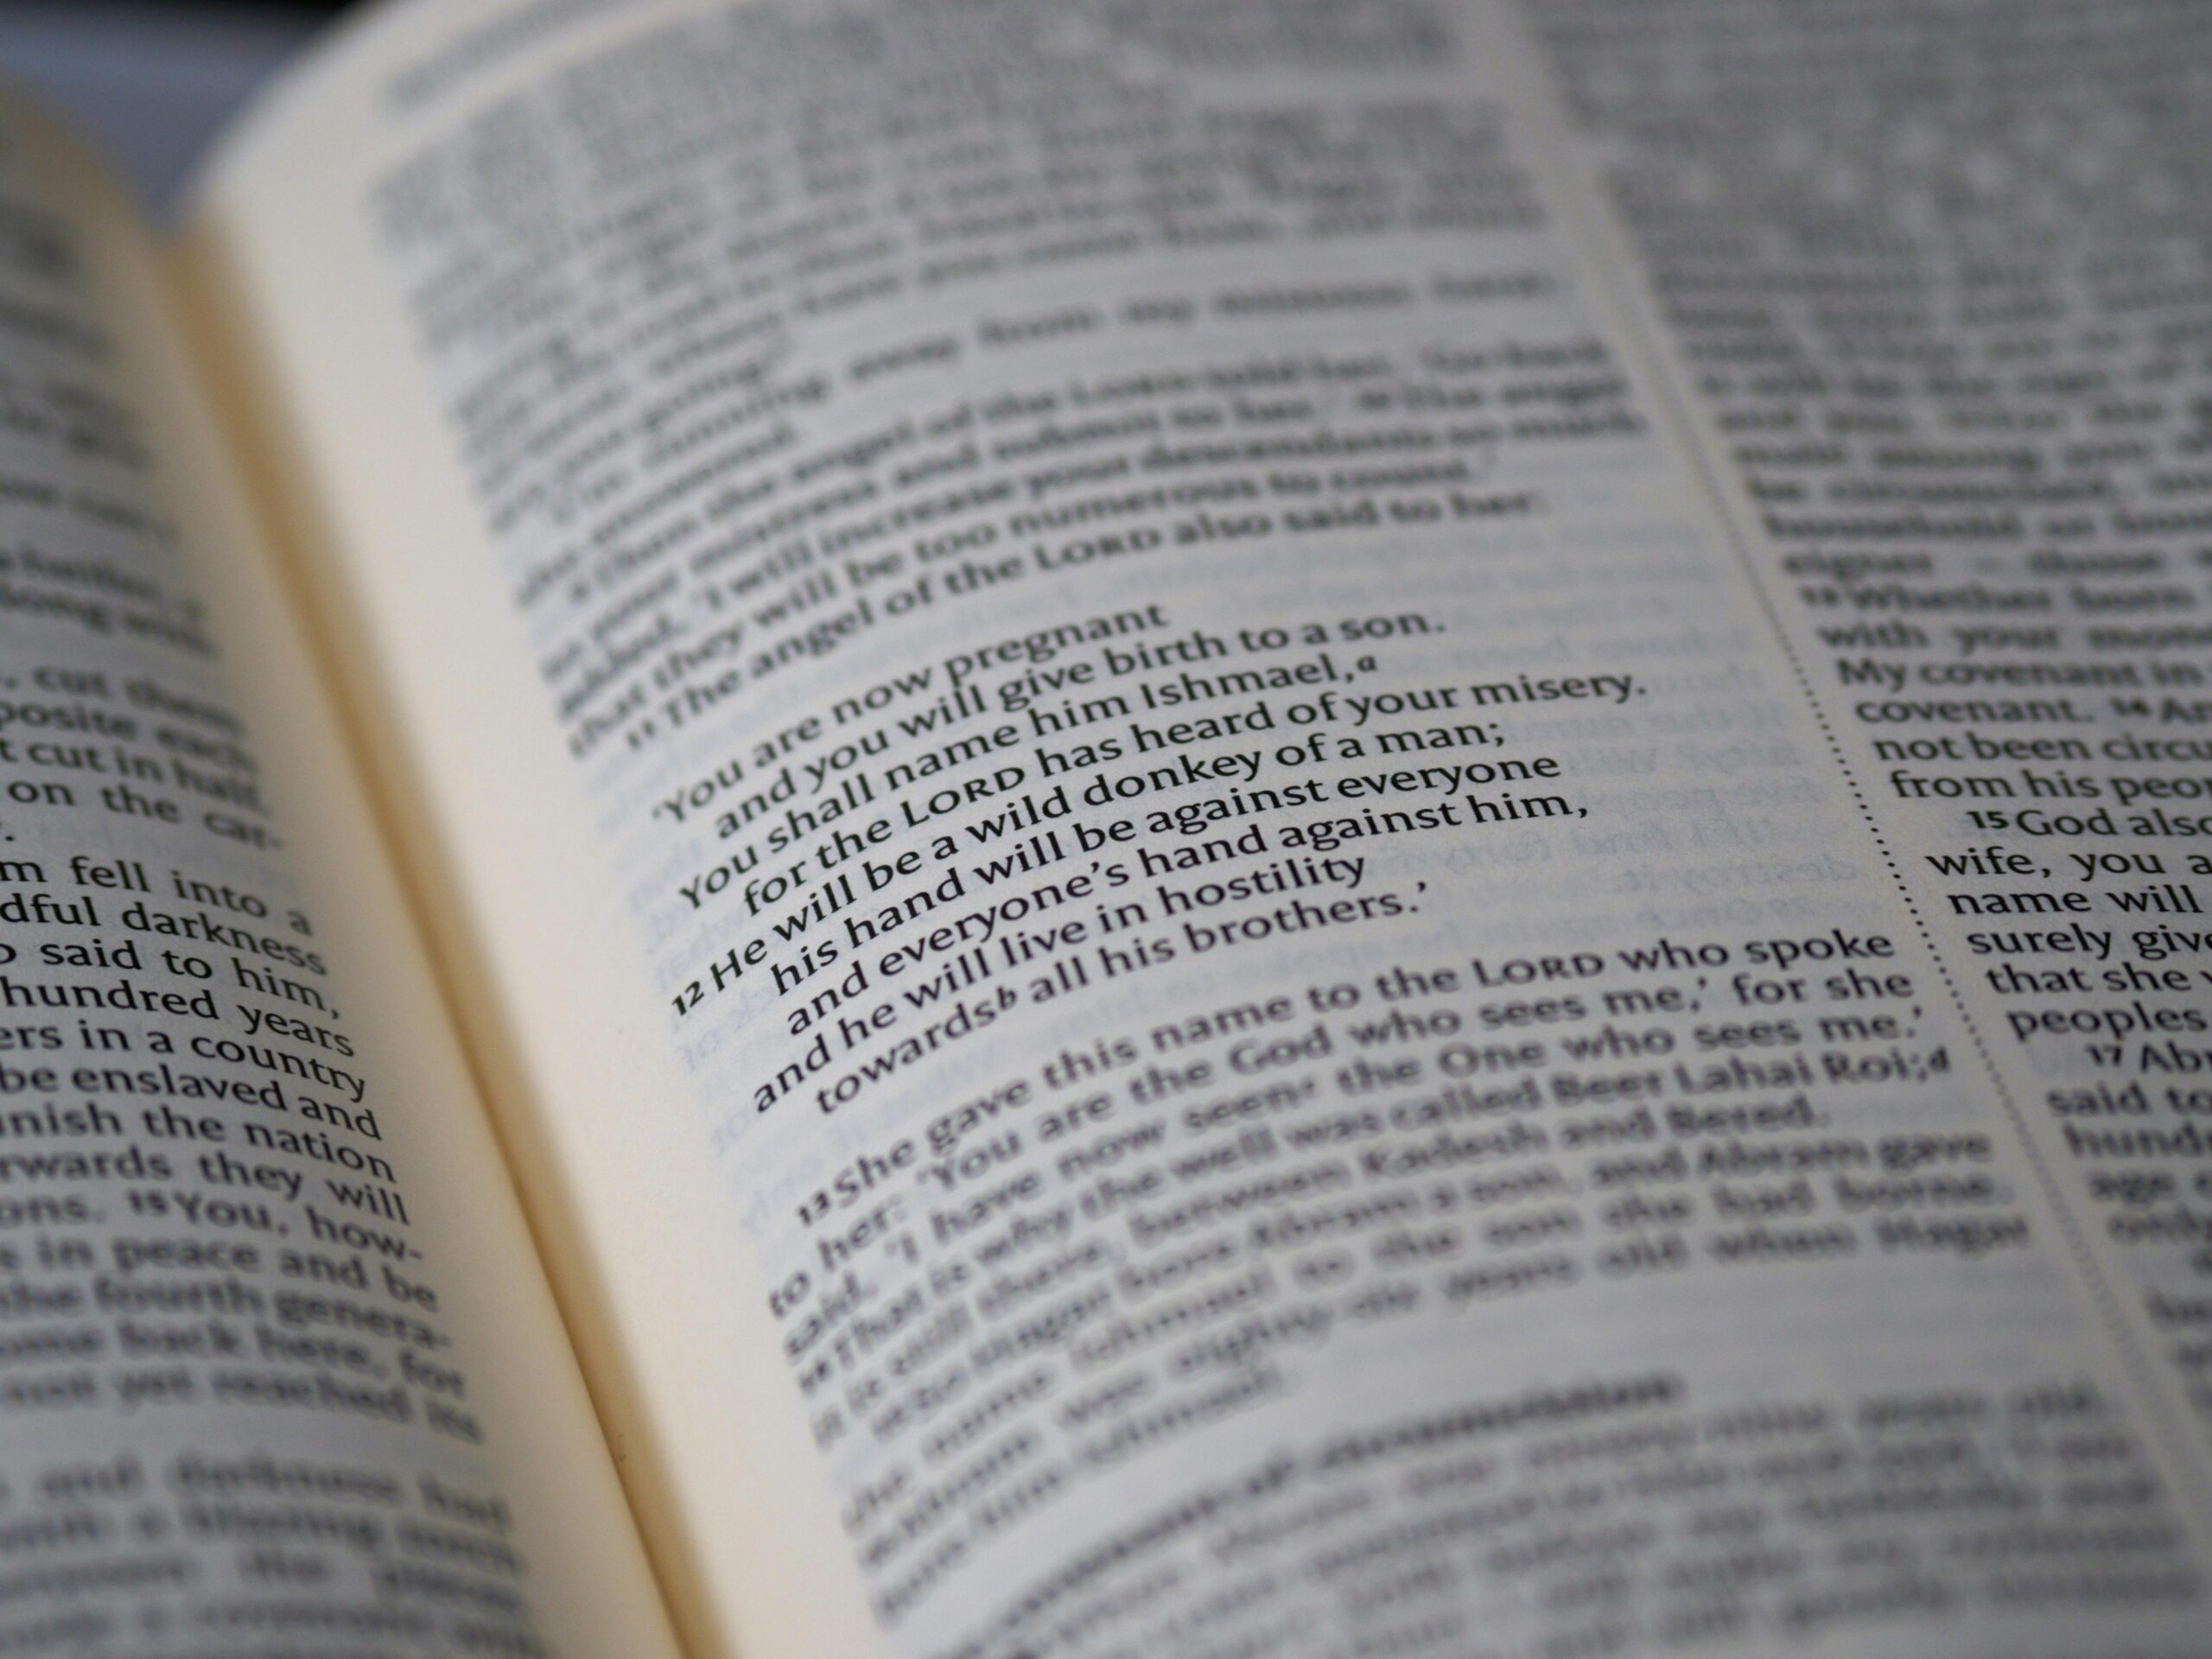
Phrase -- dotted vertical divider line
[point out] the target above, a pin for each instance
(2109, 1308)
(1607, 256)
(2100, 1289)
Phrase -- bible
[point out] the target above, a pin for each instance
(997, 827)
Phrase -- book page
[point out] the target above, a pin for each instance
(1151, 888)
(279, 1371)
(1951, 367)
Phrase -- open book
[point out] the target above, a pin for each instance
(989, 828)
